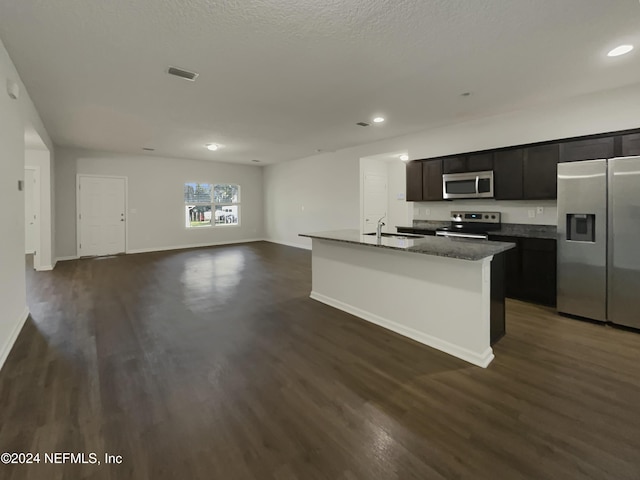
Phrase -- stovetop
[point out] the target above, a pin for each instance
(473, 222)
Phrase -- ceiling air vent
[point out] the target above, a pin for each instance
(363, 124)
(187, 75)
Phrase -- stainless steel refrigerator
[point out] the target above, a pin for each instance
(599, 240)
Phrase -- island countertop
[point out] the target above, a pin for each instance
(460, 248)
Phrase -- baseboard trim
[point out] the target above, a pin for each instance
(6, 349)
(483, 360)
(45, 268)
(65, 259)
(288, 244)
(194, 245)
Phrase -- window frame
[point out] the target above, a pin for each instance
(212, 204)
(224, 204)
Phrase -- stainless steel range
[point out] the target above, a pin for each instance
(471, 225)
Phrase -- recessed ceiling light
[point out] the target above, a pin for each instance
(213, 146)
(363, 124)
(148, 149)
(465, 94)
(621, 50)
(404, 158)
(255, 161)
(378, 120)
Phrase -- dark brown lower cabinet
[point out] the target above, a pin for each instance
(539, 270)
(530, 269)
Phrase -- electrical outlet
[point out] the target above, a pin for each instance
(532, 213)
(539, 210)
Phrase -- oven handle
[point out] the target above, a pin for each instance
(477, 236)
(477, 184)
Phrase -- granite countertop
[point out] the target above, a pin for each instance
(507, 229)
(460, 248)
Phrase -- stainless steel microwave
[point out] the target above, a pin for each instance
(468, 185)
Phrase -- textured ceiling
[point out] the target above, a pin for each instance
(282, 78)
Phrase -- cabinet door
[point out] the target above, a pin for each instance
(539, 270)
(513, 271)
(432, 180)
(541, 172)
(631, 144)
(454, 164)
(480, 162)
(507, 174)
(591, 149)
(414, 181)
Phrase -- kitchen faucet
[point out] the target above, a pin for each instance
(380, 225)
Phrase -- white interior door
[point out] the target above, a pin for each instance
(30, 230)
(101, 218)
(374, 199)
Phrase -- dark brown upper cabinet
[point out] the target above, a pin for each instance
(631, 144)
(414, 181)
(540, 172)
(479, 162)
(508, 168)
(432, 180)
(456, 164)
(520, 172)
(476, 162)
(590, 149)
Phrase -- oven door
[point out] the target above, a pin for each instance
(468, 185)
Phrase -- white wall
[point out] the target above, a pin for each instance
(41, 159)
(329, 182)
(399, 208)
(312, 194)
(14, 116)
(155, 199)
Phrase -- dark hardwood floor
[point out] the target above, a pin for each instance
(214, 364)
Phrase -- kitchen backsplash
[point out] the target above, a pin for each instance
(515, 211)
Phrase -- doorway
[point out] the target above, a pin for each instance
(382, 192)
(31, 210)
(38, 202)
(102, 204)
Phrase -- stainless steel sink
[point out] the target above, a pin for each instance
(396, 235)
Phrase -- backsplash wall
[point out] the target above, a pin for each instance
(513, 211)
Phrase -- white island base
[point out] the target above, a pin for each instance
(442, 302)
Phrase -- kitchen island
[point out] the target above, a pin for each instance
(443, 292)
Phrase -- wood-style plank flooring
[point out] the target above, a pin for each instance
(214, 364)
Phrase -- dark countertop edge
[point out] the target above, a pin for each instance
(493, 246)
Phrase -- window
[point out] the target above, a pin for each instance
(203, 199)
(226, 199)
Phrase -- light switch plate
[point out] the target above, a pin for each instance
(539, 210)
(532, 213)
